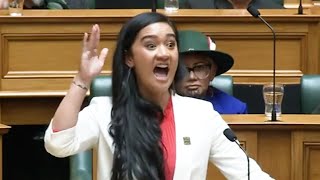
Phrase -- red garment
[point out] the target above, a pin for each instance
(169, 141)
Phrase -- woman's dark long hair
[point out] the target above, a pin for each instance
(135, 124)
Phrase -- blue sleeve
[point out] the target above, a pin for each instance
(244, 109)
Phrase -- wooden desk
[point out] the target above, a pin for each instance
(3, 130)
(287, 150)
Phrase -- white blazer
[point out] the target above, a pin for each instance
(199, 139)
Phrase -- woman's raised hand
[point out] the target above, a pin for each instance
(91, 62)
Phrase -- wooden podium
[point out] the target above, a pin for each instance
(287, 150)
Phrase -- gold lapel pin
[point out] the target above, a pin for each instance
(186, 141)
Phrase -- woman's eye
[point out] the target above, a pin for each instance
(151, 46)
(171, 44)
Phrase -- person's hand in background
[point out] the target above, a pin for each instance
(3, 4)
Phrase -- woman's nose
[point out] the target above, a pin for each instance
(163, 52)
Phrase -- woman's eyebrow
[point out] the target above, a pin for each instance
(155, 36)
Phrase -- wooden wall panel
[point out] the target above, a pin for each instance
(256, 53)
(274, 153)
(46, 55)
(312, 160)
(28, 111)
(44, 46)
(306, 152)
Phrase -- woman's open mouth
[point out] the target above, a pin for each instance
(161, 72)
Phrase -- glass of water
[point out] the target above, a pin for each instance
(268, 98)
(171, 5)
(16, 7)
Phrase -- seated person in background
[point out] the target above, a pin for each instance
(198, 53)
(233, 4)
(45, 4)
(38, 4)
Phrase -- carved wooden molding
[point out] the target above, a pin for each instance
(310, 167)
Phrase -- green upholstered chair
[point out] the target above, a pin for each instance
(310, 93)
(81, 166)
(81, 163)
(224, 83)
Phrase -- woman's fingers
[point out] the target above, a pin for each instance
(88, 55)
(85, 43)
(90, 41)
(94, 37)
(103, 55)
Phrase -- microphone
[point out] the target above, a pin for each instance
(233, 138)
(300, 8)
(255, 13)
(154, 6)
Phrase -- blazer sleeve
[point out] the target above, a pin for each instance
(82, 136)
(229, 158)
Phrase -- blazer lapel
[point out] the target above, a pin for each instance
(183, 140)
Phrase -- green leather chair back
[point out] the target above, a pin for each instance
(81, 163)
(224, 83)
(310, 93)
(279, 2)
(101, 86)
(81, 166)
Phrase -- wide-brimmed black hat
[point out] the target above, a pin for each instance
(197, 42)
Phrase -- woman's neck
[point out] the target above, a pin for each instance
(159, 98)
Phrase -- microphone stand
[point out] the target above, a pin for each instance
(248, 161)
(255, 13)
(154, 6)
(300, 8)
(273, 112)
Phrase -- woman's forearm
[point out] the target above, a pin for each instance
(66, 115)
